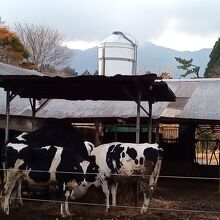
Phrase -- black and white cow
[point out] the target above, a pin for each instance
(37, 151)
(49, 166)
(59, 134)
(127, 159)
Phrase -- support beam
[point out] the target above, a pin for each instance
(9, 97)
(150, 123)
(138, 126)
(138, 120)
(97, 132)
(157, 125)
(33, 107)
(7, 116)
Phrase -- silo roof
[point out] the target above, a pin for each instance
(118, 37)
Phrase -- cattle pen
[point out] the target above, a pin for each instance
(166, 204)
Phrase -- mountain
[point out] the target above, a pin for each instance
(150, 57)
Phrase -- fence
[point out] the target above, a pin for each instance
(207, 152)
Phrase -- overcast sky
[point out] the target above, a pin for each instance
(177, 24)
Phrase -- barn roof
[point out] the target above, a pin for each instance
(196, 99)
(9, 70)
(88, 87)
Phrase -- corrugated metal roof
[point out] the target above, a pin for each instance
(6, 70)
(195, 99)
(17, 105)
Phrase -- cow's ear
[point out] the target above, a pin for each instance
(89, 146)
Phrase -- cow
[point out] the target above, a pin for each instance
(44, 141)
(59, 134)
(127, 159)
(53, 166)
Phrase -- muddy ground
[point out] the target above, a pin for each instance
(173, 200)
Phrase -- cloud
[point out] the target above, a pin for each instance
(93, 20)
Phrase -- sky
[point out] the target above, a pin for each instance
(184, 25)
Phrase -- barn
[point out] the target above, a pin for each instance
(187, 129)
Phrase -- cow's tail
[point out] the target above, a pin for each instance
(89, 147)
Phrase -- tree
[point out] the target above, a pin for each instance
(165, 75)
(214, 62)
(12, 51)
(96, 73)
(44, 45)
(86, 73)
(69, 71)
(187, 66)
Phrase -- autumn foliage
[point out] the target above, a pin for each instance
(12, 50)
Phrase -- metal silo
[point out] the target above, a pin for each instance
(117, 54)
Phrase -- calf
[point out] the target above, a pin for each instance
(55, 166)
(127, 159)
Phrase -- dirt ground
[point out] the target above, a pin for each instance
(172, 200)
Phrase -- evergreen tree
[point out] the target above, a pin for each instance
(187, 66)
(214, 62)
(96, 73)
(86, 73)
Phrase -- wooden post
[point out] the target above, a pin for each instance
(97, 133)
(150, 123)
(7, 117)
(33, 113)
(157, 124)
(3, 178)
(138, 120)
(138, 128)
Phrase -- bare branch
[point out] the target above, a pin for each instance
(44, 45)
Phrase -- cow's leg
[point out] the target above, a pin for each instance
(9, 185)
(155, 174)
(15, 198)
(114, 188)
(62, 213)
(64, 207)
(67, 195)
(152, 184)
(19, 198)
(145, 205)
(105, 189)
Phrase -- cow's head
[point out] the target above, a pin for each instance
(86, 172)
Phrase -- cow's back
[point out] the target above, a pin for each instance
(126, 158)
(61, 134)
